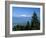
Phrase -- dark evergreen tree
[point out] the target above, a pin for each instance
(17, 27)
(35, 24)
(14, 28)
(27, 25)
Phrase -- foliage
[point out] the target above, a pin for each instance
(35, 24)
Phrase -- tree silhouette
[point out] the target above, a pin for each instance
(35, 24)
(27, 26)
(14, 28)
(17, 27)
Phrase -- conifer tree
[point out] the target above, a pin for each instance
(27, 25)
(35, 24)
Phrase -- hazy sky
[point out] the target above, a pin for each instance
(24, 11)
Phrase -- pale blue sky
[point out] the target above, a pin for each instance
(25, 11)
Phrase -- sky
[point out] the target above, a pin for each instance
(25, 11)
(20, 15)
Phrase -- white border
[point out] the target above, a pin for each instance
(32, 31)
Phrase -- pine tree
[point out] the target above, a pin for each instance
(27, 26)
(35, 24)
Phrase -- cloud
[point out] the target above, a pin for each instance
(23, 15)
